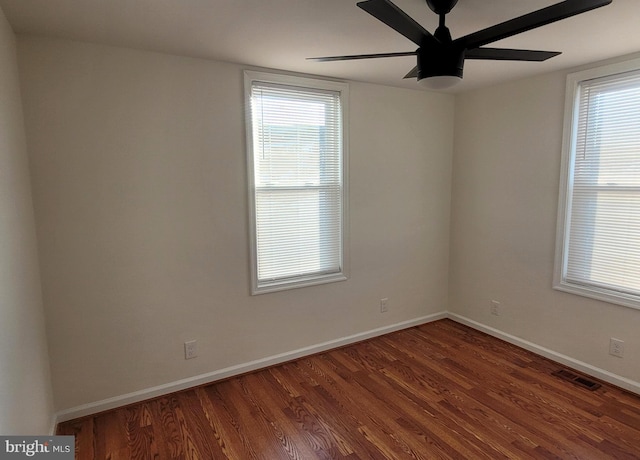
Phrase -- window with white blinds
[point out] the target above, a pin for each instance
(600, 210)
(297, 180)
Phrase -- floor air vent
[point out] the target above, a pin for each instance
(577, 379)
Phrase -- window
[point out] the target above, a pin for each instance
(297, 178)
(598, 247)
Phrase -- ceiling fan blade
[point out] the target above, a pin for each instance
(398, 20)
(529, 21)
(361, 56)
(507, 54)
(413, 73)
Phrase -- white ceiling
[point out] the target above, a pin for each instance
(280, 34)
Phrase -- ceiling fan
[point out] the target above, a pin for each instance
(441, 59)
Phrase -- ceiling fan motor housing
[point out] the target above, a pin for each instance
(441, 6)
(440, 61)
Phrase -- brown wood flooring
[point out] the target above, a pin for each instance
(436, 391)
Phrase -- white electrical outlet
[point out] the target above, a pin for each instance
(190, 349)
(384, 305)
(495, 308)
(616, 347)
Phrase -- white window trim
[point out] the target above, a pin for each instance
(304, 82)
(568, 143)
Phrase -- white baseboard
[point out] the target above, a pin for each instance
(160, 390)
(137, 396)
(614, 379)
(53, 425)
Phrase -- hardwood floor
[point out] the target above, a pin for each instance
(437, 391)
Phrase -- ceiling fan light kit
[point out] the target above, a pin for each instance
(440, 68)
(440, 59)
(438, 82)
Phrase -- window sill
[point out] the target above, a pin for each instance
(266, 287)
(605, 295)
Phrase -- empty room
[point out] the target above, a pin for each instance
(298, 229)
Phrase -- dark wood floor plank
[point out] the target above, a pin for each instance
(234, 431)
(416, 426)
(482, 426)
(375, 431)
(314, 433)
(435, 391)
(140, 433)
(84, 436)
(296, 384)
(110, 436)
(390, 432)
(226, 439)
(292, 440)
(261, 433)
(165, 428)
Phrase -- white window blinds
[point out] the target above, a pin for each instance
(602, 228)
(297, 160)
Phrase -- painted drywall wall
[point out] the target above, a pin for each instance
(508, 142)
(138, 169)
(25, 390)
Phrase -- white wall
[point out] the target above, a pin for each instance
(138, 169)
(25, 391)
(508, 142)
(138, 172)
